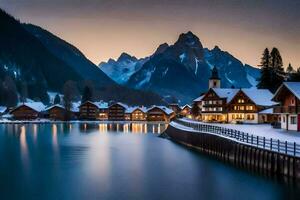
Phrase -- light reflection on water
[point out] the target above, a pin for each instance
(113, 161)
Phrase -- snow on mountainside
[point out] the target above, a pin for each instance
(120, 70)
(181, 70)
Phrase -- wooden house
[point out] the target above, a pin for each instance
(186, 111)
(160, 113)
(251, 106)
(175, 107)
(288, 96)
(139, 114)
(116, 112)
(88, 111)
(56, 112)
(28, 111)
(214, 104)
(102, 111)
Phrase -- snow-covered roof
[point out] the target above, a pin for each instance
(262, 97)
(3, 109)
(294, 87)
(168, 111)
(37, 106)
(267, 111)
(227, 93)
(132, 109)
(55, 105)
(121, 104)
(199, 98)
(101, 104)
(186, 105)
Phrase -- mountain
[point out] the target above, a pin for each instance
(24, 58)
(70, 55)
(34, 61)
(120, 70)
(182, 70)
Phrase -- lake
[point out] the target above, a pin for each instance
(116, 161)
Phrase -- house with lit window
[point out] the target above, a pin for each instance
(117, 112)
(230, 105)
(251, 106)
(186, 111)
(214, 104)
(138, 114)
(288, 96)
(160, 113)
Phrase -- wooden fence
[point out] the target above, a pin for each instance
(283, 147)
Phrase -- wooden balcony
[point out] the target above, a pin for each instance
(287, 109)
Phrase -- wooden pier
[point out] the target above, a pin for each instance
(269, 157)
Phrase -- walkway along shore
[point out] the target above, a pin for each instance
(266, 156)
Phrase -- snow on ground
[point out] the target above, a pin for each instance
(263, 130)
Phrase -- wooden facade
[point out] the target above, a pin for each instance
(288, 95)
(185, 111)
(88, 111)
(138, 115)
(116, 112)
(213, 107)
(158, 114)
(175, 107)
(24, 112)
(56, 113)
(242, 109)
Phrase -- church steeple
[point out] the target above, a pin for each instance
(214, 80)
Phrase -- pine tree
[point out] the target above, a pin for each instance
(87, 94)
(69, 96)
(265, 81)
(277, 71)
(10, 92)
(290, 71)
(276, 61)
(56, 99)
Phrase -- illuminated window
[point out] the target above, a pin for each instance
(241, 100)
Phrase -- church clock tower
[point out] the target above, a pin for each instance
(214, 81)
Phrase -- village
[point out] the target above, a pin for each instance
(241, 106)
(217, 105)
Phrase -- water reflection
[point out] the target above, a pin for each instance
(136, 128)
(24, 148)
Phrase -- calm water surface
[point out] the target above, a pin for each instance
(115, 161)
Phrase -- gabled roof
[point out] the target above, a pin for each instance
(166, 110)
(262, 97)
(121, 104)
(227, 93)
(293, 87)
(37, 106)
(53, 106)
(132, 109)
(199, 98)
(98, 104)
(186, 105)
(3, 109)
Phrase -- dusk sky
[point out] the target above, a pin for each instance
(103, 29)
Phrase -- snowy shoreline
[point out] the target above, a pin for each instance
(263, 130)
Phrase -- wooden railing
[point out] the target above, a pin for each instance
(283, 147)
(287, 109)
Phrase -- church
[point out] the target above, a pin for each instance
(232, 105)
